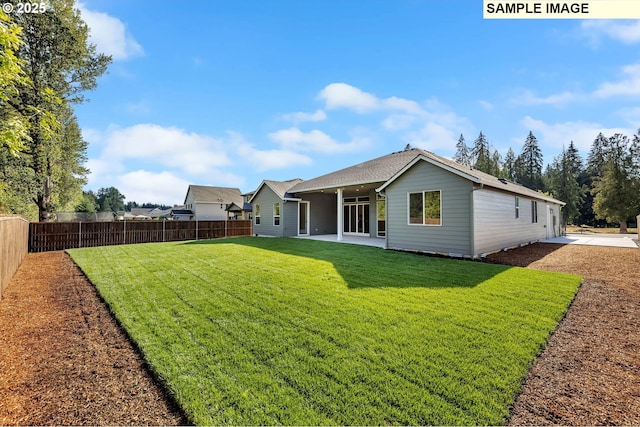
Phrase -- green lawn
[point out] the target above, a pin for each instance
(268, 331)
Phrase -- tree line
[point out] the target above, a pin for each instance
(604, 189)
(110, 199)
(46, 66)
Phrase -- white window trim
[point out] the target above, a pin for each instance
(278, 215)
(409, 193)
(256, 217)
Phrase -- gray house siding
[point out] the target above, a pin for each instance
(289, 218)
(453, 236)
(265, 199)
(496, 226)
(323, 212)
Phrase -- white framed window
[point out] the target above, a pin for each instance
(534, 211)
(257, 214)
(425, 208)
(517, 207)
(276, 213)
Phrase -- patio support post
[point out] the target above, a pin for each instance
(340, 219)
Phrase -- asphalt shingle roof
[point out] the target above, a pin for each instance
(382, 169)
(281, 188)
(204, 194)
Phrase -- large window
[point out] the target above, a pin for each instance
(425, 208)
(276, 213)
(257, 214)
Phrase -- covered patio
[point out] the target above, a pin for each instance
(354, 240)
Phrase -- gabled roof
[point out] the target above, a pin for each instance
(281, 188)
(369, 172)
(208, 194)
(386, 169)
(473, 175)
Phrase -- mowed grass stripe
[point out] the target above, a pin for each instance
(258, 331)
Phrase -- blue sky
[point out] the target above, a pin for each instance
(230, 92)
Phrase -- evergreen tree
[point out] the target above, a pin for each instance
(597, 155)
(495, 163)
(509, 166)
(480, 154)
(617, 190)
(463, 155)
(87, 203)
(562, 181)
(529, 166)
(110, 199)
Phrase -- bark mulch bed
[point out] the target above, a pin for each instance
(64, 361)
(589, 373)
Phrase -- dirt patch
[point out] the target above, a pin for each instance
(64, 360)
(589, 374)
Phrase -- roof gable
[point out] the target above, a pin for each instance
(377, 170)
(281, 188)
(472, 175)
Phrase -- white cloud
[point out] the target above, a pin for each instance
(624, 31)
(398, 122)
(627, 86)
(300, 117)
(167, 146)
(162, 160)
(342, 95)
(434, 137)
(143, 186)
(556, 135)
(110, 35)
(265, 160)
(315, 141)
(527, 97)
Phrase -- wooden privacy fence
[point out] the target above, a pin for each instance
(54, 236)
(14, 231)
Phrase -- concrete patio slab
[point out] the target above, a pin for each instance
(614, 240)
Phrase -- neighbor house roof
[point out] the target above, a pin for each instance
(208, 194)
(281, 188)
(386, 169)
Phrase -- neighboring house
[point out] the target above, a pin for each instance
(180, 213)
(413, 199)
(215, 203)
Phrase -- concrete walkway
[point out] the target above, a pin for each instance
(616, 240)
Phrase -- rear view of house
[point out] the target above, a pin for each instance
(415, 201)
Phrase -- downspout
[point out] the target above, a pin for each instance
(472, 220)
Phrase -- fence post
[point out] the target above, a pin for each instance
(196, 229)
(79, 234)
(124, 232)
(163, 221)
(226, 232)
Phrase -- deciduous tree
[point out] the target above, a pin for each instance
(61, 65)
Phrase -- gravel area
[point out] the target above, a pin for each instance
(589, 373)
(65, 361)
